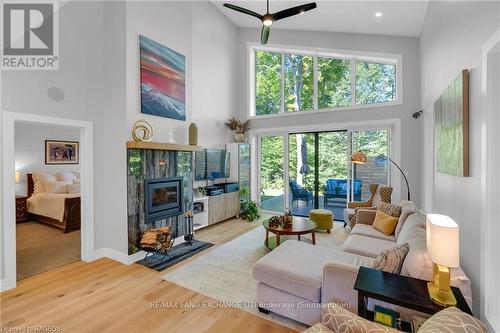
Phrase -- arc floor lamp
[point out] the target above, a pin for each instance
(360, 158)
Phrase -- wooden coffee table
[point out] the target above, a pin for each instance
(300, 226)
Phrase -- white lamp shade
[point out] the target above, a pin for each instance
(443, 240)
(18, 176)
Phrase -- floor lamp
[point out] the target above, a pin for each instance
(360, 158)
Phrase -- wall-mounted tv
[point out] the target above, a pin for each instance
(212, 164)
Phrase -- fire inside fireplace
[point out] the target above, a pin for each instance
(163, 198)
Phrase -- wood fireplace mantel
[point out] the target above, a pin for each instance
(161, 146)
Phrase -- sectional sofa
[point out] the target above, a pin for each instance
(296, 278)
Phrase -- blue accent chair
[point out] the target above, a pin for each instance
(300, 193)
(337, 188)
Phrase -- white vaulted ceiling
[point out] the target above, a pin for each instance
(399, 18)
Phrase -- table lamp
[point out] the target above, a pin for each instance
(18, 176)
(443, 247)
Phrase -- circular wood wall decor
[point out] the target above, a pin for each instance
(142, 131)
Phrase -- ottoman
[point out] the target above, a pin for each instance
(323, 219)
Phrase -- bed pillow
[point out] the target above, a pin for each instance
(39, 178)
(73, 188)
(57, 187)
(68, 175)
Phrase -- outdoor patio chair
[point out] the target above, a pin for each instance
(300, 193)
(337, 188)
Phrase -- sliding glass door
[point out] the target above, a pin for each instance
(304, 171)
(271, 173)
(376, 144)
(318, 170)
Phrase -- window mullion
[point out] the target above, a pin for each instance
(353, 82)
(315, 82)
(282, 82)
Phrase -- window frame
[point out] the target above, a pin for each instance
(353, 56)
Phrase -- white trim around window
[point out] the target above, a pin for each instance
(380, 58)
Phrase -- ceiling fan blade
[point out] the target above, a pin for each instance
(264, 34)
(293, 11)
(243, 10)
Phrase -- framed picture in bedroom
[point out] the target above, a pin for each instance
(451, 128)
(62, 152)
(163, 80)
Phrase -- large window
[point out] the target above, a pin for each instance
(287, 81)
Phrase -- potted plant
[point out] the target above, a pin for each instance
(245, 197)
(240, 129)
(252, 212)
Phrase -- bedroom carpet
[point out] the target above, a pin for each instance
(41, 248)
(225, 273)
(176, 254)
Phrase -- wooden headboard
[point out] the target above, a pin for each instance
(31, 184)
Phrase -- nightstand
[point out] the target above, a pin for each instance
(21, 209)
(399, 290)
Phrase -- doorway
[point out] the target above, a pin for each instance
(307, 170)
(47, 173)
(8, 194)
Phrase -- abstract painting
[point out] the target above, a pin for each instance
(61, 152)
(163, 80)
(452, 128)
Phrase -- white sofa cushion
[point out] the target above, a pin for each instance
(407, 208)
(366, 246)
(297, 267)
(369, 231)
(407, 232)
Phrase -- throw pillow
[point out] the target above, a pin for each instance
(452, 320)
(384, 223)
(390, 209)
(340, 320)
(57, 187)
(39, 179)
(73, 188)
(67, 175)
(391, 260)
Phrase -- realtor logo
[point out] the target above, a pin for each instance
(30, 35)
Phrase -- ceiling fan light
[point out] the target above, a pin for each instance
(267, 21)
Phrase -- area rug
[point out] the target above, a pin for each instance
(176, 254)
(225, 273)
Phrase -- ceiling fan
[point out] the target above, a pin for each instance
(268, 18)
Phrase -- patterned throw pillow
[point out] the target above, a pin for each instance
(390, 209)
(452, 320)
(391, 260)
(339, 320)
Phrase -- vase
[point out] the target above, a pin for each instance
(193, 134)
(240, 137)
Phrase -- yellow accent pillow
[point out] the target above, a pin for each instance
(384, 223)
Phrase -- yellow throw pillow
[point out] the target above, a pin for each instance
(384, 223)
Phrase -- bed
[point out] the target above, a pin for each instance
(58, 210)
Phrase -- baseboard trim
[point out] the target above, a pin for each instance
(492, 325)
(119, 256)
(125, 259)
(5, 285)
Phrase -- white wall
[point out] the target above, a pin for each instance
(99, 75)
(29, 148)
(208, 41)
(411, 149)
(452, 38)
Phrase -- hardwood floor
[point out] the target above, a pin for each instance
(106, 296)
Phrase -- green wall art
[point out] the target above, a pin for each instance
(451, 128)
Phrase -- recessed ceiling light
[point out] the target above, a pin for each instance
(378, 14)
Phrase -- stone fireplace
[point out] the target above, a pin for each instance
(160, 188)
